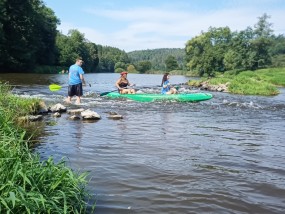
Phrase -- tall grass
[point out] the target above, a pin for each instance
(242, 84)
(275, 76)
(259, 82)
(28, 185)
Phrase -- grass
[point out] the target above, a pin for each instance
(28, 185)
(251, 86)
(274, 76)
(260, 82)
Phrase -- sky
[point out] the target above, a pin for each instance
(150, 24)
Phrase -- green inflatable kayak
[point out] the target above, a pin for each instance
(196, 97)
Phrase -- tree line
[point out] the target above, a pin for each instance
(29, 42)
(163, 59)
(221, 50)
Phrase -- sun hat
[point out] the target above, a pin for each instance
(124, 72)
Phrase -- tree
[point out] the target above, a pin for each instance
(263, 28)
(205, 53)
(277, 51)
(143, 66)
(27, 35)
(120, 66)
(262, 42)
(131, 68)
(157, 57)
(75, 45)
(111, 59)
(240, 53)
(171, 63)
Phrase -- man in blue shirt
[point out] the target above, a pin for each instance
(76, 79)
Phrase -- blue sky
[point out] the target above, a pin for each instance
(149, 24)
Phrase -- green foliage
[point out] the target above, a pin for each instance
(195, 83)
(27, 184)
(278, 60)
(171, 63)
(111, 58)
(219, 49)
(29, 42)
(242, 84)
(157, 57)
(278, 45)
(143, 66)
(131, 68)
(219, 80)
(14, 106)
(75, 45)
(119, 70)
(206, 52)
(120, 65)
(274, 76)
(259, 82)
(27, 37)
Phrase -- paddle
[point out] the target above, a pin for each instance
(107, 92)
(55, 87)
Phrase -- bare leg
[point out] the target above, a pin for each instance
(125, 91)
(78, 100)
(174, 91)
(68, 99)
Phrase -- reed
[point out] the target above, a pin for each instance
(27, 184)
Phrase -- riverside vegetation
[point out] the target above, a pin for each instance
(28, 185)
(259, 82)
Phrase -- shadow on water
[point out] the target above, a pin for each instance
(224, 155)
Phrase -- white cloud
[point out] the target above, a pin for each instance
(149, 28)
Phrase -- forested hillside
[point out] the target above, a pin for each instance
(111, 58)
(157, 57)
(29, 42)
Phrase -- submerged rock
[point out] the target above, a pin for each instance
(115, 117)
(75, 111)
(56, 114)
(30, 118)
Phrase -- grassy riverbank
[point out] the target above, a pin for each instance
(259, 82)
(28, 185)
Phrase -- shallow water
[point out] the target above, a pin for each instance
(224, 155)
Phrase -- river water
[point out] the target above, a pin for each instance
(224, 155)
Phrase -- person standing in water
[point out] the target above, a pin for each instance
(122, 84)
(166, 87)
(75, 81)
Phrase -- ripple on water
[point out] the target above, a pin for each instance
(171, 157)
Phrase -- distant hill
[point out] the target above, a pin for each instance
(157, 57)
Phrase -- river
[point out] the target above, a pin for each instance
(224, 155)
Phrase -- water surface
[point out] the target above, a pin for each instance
(224, 155)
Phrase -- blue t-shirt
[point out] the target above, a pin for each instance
(74, 74)
(166, 89)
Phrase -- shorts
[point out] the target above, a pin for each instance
(75, 90)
